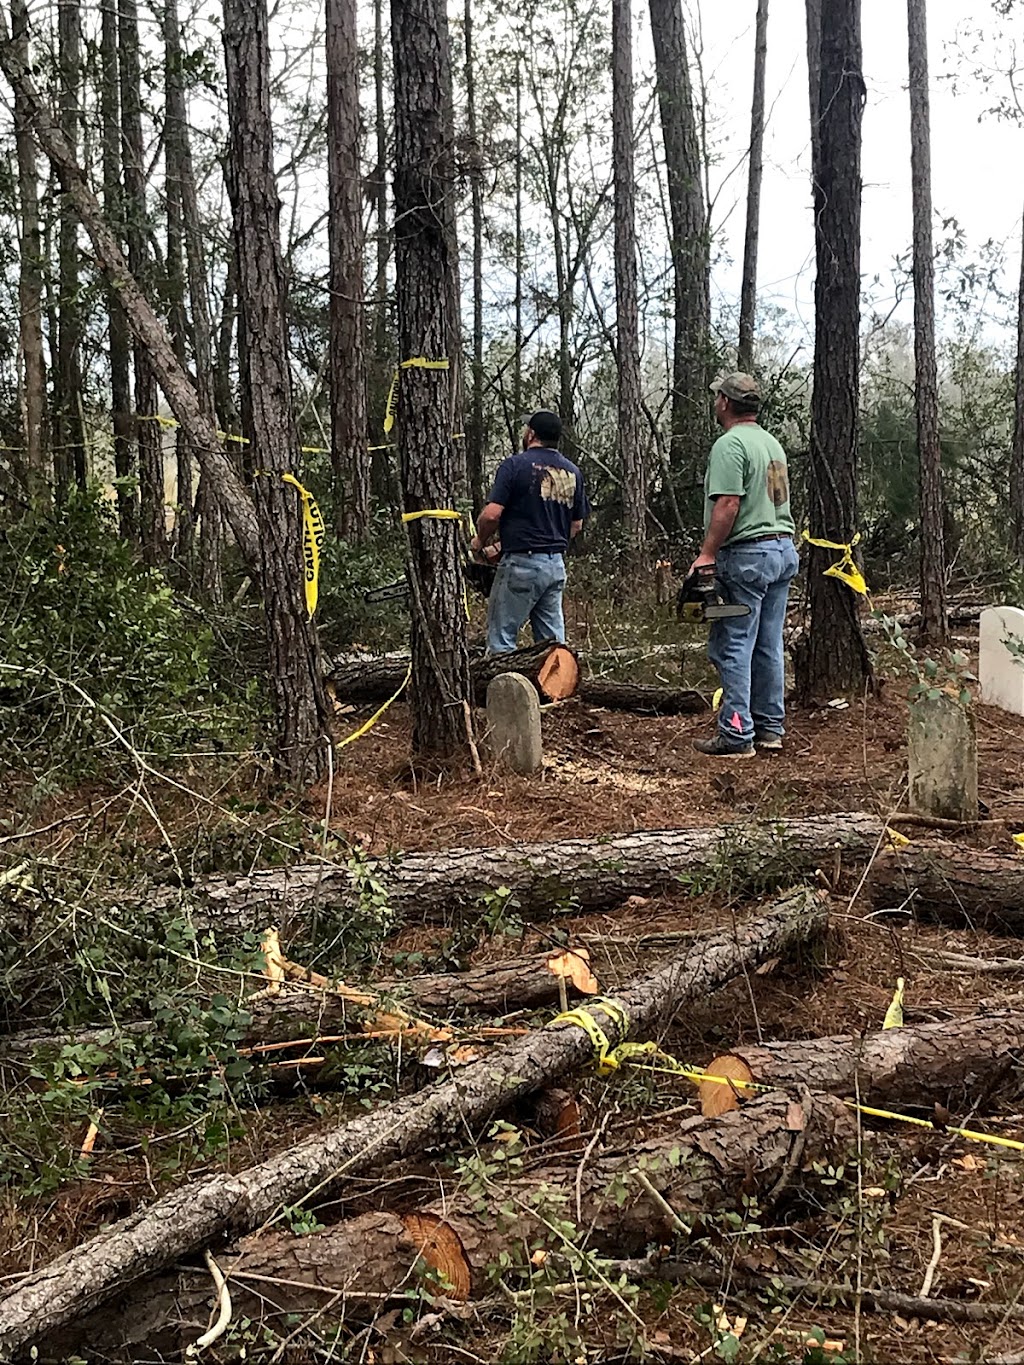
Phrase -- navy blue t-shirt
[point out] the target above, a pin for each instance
(542, 494)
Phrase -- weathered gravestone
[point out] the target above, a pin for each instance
(1000, 669)
(943, 754)
(513, 723)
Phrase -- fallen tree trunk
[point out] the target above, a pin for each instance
(955, 1063)
(642, 698)
(949, 884)
(219, 1206)
(552, 668)
(592, 874)
(618, 1203)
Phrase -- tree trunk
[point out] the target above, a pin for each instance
(30, 282)
(957, 1063)
(553, 669)
(349, 455)
(1017, 449)
(833, 658)
(68, 438)
(748, 286)
(953, 885)
(148, 434)
(424, 235)
(182, 1222)
(475, 426)
(119, 336)
(641, 698)
(931, 507)
(234, 500)
(175, 131)
(693, 1166)
(690, 248)
(627, 320)
(595, 874)
(296, 671)
(518, 401)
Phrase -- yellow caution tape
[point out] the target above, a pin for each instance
(894, 1014)
(435, 513)
(358, 734)
(418, 362)
(895, 839)
(716, 700)
(1018, 839)
(312, 542)
(609, 1059)
(844, 569)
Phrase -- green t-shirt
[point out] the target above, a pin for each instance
(747, 462)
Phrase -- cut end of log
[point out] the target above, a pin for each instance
(441, 1248)
(717, 1097)
(574, 966)
(559, 675)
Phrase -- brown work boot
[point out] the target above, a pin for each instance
(718, 748)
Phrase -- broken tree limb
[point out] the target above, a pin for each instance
(949, 884)
(229, 1205)
(589, 874)
(955, 1063)
(616, 1203)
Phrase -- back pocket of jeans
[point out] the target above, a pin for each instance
(520, 579)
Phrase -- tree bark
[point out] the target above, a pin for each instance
(931, 506)
(833, 658)
(595, 874)
(956, 1063)
(68, 437)
(175, 131)
(237, 505)
(1017, 449)
(696, 1166)
(148, 433)
(296, 669)
(424, 236)
(30, 282)
(349, 455)
(192, 1217)
(641, 698)
(119, 336)
(475, 425)
(755, 167)
(953, 885)
(690, 247)
(627, 316)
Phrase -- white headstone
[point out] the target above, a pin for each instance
(513, 723)
(943, 759)
(1000, 669)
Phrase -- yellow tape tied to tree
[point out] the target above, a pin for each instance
(312, 542)
(418, 362)
(844, 569)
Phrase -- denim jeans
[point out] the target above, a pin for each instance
(525, 586)
(747, 650)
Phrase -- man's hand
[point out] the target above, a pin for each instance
(703, 561)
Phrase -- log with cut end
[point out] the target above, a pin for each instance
(552, 668)
(593, 874)
(229, 1205)
(950, 884)
(620, 1202)
(956, 1063)
(643, 698)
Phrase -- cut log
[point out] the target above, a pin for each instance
(552, 668)
(596, 874)
(949, 884)
(229, 1205)
(642, 698)
(619, 1202)
(955, 1063)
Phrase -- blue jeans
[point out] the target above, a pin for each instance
(747, 650)
(525, 586)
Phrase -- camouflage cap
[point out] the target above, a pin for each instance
(739, 387)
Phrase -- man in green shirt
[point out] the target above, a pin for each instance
(748, 546)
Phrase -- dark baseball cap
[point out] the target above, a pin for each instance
(739, 388)
(546, 426)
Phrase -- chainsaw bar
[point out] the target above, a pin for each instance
(387, 592)
(720, 611)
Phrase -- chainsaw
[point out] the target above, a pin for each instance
(478, 576)
(699, 600)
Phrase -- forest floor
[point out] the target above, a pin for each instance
(604, 773)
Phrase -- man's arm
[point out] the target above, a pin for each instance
(487, 524)
(575, 529)
(723, 516)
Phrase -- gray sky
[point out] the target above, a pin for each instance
(976, 167)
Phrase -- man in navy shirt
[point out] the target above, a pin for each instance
(536, 506)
